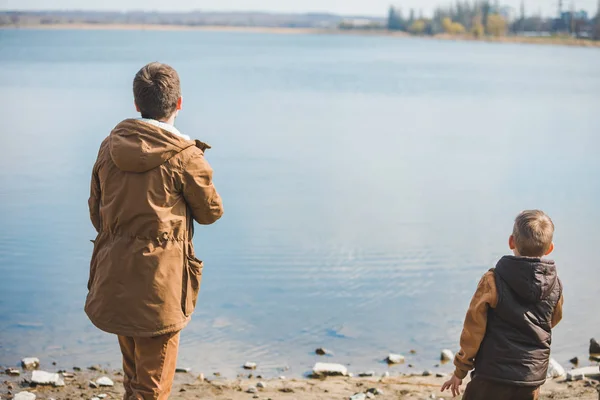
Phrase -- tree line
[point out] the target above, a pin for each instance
(482, 17)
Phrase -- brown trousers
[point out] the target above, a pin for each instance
(480, 389)
(149, 365)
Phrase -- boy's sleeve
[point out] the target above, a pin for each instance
(475, 324)
(94, 200)
(199, 191)
(558, 311)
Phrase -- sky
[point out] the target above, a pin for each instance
(346, 7)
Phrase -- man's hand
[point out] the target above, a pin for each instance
(453, 384)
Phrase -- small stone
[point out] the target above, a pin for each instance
(574, 361)
(410, 366)
(93, 385)
(183, 370)
(44, 378)
(367, 374)
(326, 369)
(252, 389)
(358, 396)
(59, 383)
(261, 385)
(427, 373)
(13, 372)
(282, 378)
(286, 390)
(95, 398)
(105, 381)
(24, 396)
(395, 359)
(54, 363)
(259, 377)
(201, 377)
(370, 395)
(256, 396)
(446, 355)
(217, 374)
(440, 375)
(375, 391)
(76, 369)
(30, 363)
(582, 373)
(386, 374)
(102, 396)
(432, 396)
(555, 370)
(594, 346)
(95, 368)
(250, 365)
(323, 352)
(413, 352)
(68, 375)
(595, 357)
(350, 375)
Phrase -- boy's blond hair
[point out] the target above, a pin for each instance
(533, 233)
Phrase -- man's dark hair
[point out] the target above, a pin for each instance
(156, 90)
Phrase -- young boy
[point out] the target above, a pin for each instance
(148, 185)
(508, 328)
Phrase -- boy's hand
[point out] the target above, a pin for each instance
(453, 384)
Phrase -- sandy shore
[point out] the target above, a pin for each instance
(191, 386)
(557, 41)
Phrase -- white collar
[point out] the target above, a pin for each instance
(167, 127)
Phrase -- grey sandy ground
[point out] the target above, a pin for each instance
(188, 386)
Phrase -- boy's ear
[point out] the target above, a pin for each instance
(179, 103)
(550, 249)
(511, 242)
(136, 107)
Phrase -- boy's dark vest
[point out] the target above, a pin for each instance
(516, 347)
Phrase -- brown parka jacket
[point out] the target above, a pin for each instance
(148, 185)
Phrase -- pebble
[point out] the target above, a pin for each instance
(24, 396)
(386, 374)
(44, 378)
(104, 381)
(201, 377)
(594, 346)
(77, 369)
(427, 373)
(555, 370)
(370, 395)
(59, 383)
(375, 391)
(574, 360)
(30, 362)
(261, 385)
(326, 369)
(440, 375)
(183, 370)
(358, 396)
(93, 385)
(446, 355)
(250, 365)
(252, 389)
(95, 398)
(367, 374)
(581, 373)
(323, 352)
(68, 375)
(102, 396)
(395, 359)
(13, 372)
(282, 378)
(413, 352)
(94, 368)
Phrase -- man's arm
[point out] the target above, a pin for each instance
(94, 200)
(199, 191)
(475, 324)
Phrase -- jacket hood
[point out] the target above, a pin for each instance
(136, 146)
(532, 279)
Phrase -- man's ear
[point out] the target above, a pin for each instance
(179, 103)
(511, 242)
(136, 107)
(550, 249)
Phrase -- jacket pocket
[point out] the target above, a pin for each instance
(191, 284)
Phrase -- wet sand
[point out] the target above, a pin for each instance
(191, 386)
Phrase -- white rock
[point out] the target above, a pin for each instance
(359, 396)
(93, 385)
(555, 370)
(447, 355)
(370, 395)
(44, 378)
(386, 374)
(395, 359)
(24, 396)
(201, 377)
(350, 375)
(250, 365)
(282, 378)
(30, 363)
(59, 383)
(261, 385)
(95, 398)
(13, 372)
(327, 369)
(252, 389)
(582, 373)
(102, 396)
(104, 381)
(183, 370)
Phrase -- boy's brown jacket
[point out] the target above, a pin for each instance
(148, 185)
(475, 325)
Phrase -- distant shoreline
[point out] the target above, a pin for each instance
(556, 41)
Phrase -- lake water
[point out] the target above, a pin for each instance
(368, 182)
